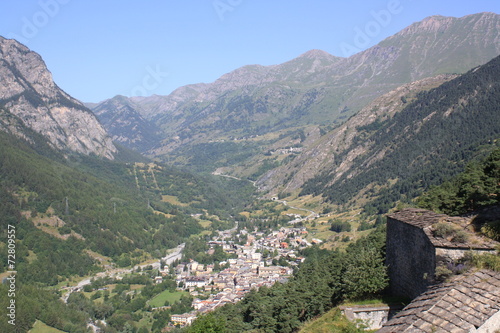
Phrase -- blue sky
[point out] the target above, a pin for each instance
(99, 49)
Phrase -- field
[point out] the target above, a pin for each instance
(40, 327)
(159, 300)
(171, 199)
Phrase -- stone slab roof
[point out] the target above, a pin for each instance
(417, 217)
(426, 219)
(462, 305)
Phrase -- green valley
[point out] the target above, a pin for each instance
(266, 201)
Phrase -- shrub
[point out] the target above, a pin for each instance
(64, 230)
(460, 236)
(364, 226)
(490, 261)
(339, 226)
(492, 230)
(442, 273)
(443, 230)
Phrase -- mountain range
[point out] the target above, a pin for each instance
(402, 143)
(370, 131)
(297, 127)
(256, 109)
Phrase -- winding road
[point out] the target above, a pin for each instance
(312, 214)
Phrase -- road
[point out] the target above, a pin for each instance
(176, 255)
(170, 258)
(233, 177)
(312, 214)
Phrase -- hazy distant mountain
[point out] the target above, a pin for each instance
(120, 115)
(28, 93)
(250, 108)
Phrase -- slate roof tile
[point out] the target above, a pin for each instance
(459, 306)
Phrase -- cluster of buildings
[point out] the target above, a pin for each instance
(284, 151)
(249, 270)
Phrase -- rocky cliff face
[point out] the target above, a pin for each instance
(28, 92)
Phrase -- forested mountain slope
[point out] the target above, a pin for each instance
(475, 188)
(339, 147)
(427, 142)
(64, 206)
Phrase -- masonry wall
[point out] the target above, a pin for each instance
(372, 316)
(410, 258)
(444, 254)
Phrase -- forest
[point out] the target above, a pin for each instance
(462, 114)
(101, 206)
(473, 189)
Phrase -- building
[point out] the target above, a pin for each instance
(417, 247)
(274, 271)
(414, 250)
(183, 319)
(468, 303)
(195, 282)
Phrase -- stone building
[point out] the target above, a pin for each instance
(468, 303)
(419, 243)
(416, 247)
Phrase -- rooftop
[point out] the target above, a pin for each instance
(427, 221)
(463, 305)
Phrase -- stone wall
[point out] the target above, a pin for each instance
(491, 325)
(373, 316)
(445, 255)
(410, 257)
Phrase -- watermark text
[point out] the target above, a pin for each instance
(152, 80)
(364, 35)
(32, 24)
(222, 7)
(11, 279)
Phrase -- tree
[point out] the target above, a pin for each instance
(208, 323)
(339, 226)
(365, 275)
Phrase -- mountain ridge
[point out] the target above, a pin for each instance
(399, 156)
(28, 91)
(323, 153)
(314, 89)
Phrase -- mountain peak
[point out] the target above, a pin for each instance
(315, 53)
(313, 89)
(438, 22)
(28, 91)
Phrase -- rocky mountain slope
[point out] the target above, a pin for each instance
(400, 144)
(340, 147)
(314, 89)
(119, 115)
(29, 95)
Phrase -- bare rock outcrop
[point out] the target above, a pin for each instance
(28, 91)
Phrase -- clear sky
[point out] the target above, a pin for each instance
(99, 49)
